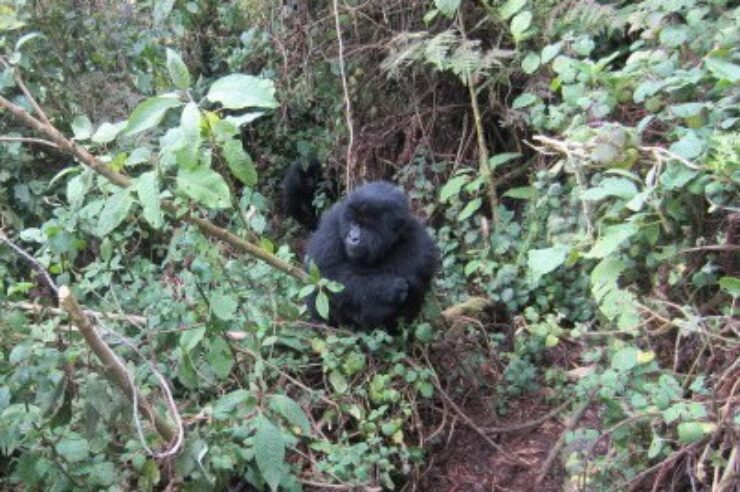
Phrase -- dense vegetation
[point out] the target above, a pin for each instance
(577, 161)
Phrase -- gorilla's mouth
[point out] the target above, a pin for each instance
(355, 253)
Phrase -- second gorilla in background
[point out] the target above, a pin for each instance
(370, 243)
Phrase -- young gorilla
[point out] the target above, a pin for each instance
(297, 190)
(370, 243)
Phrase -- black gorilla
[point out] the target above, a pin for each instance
(297, 190)
(370, 243)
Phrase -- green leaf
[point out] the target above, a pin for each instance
(139, 155)
(147, 188)
(338, 381)
(77, 188)
(452, 187)
(228, 403)
(731, 285)
(107, 132)
(223, 306)
(220, 358)
(549, 52)
(521, 193)
(269, 451)
(178, 71)
(205, 186)
(469, 209)
(245, 118)
(655, 447)
(511, 7)
(524, 100)
(612, 239)
(447, 7)
(322, 304)
(625, 359)
(149, 113)
(543, 261)
(424, 332)
(114, 212)
(673, 35)
(619, 187)
(241, 91)
(689, 147)
(605, 154)
(676, 176)
(647, 89)
(161, 11)
(723, 69)
(73, 449)
(240, 163)
(191, 338)
(521, 23)
(82, 127)
(530, 63)
(291, 410)
(691, 432)
(495, 161)
(687, 110)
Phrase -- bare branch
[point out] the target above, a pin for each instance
(39, 141)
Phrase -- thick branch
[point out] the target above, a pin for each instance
(88, 159)
(113, 366)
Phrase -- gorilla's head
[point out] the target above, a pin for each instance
(373, 218)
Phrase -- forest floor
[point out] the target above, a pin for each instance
(466, 462)
(462, 460)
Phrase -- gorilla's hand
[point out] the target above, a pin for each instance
(396, 290)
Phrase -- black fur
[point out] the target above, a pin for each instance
(297, 191)
(384, 257)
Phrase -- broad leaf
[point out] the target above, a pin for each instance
(520, 23)
(691, 432)
(291, 410)
(452, 187)
(240, 163)
(178, 71)
(619, 187)
(205, 186)
(107, 132)
(114, 212)
(524, 100)
(470, 209)
(322, 304)
(530, 63)
(543, 261)
(223, 306)
(242, 91)
(447, 7)
(269, 451)
(147, 188)
(73, 449)
(149, 113)
(495, 161)
(82, 127)
(612, 239)
(511, 7)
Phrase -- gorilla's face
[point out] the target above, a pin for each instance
(373, 219)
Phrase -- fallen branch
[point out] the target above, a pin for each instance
(529, 424)
(112, 365)
(38, 309)
(555, 450)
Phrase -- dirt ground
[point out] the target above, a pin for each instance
(468, 463)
